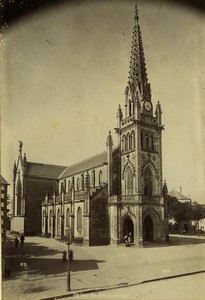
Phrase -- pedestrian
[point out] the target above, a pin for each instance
(22, 238)
(64, 256)
(129, 238)
(126, 240)
(16, 242)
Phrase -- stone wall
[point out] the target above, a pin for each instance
(35, 194)
(99, 223)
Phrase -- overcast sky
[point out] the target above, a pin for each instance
(65, 72)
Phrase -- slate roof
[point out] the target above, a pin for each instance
(179, 196)
(3, 181)
(85, 165)
(44, 170)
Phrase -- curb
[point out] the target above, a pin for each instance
(123, 285)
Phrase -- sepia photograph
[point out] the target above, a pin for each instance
(102, 166)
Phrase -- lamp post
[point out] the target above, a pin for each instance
(68, 266)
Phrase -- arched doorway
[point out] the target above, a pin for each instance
(128, 227)
(148, 229)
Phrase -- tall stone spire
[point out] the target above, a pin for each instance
(137, 79)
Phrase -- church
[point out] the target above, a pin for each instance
(112, 194)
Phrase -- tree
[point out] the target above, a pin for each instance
(198, 213)
(179, 211)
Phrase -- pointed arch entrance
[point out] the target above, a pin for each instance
(128, 227)
(148, 229)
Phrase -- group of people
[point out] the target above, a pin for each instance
(22, 238)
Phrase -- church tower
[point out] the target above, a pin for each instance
(139, 209)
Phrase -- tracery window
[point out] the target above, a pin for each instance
(129, 181)
(132, 140)
(148, 182)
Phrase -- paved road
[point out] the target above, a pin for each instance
(190, 287)
(94, 267)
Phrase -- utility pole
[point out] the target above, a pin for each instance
(68, 266)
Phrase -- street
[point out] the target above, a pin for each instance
(37, 270)
(187, 287)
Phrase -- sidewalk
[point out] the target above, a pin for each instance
(95, 268)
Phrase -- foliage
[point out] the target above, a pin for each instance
(184, 211)
(198, 211)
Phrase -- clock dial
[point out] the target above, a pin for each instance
(148, 105)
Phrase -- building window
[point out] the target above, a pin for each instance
(93, 178)
(65, 185)
(127, 141)
(50, 219)
(151, 142)
(132, 140)
(78, 184)
(69, 185)
(146, 140)
(82, 181)
(62, 187)
(129, 181)
(19, 195)
(148, 182)
(79, 219)
(68, 218)
(43, 218)
(100, 177)
(123, 143)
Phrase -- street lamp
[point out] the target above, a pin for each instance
(68, 266)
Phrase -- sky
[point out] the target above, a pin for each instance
(64, 71)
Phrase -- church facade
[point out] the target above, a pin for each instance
(119, 191)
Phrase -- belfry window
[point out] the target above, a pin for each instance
(129, 181)
(123, 143)
(148, 182)
(146, 140)
(151, 142)
(142, 139)
(132, 140)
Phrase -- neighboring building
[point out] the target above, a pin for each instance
(119, 191)
(30, 181)
(184, 227)
(4, 197)
(179, 196)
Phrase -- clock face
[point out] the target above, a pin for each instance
(148, 105)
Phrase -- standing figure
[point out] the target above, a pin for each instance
(126, 240)
(129, 238)
(22, 238)
(16, 242)
(64, 256)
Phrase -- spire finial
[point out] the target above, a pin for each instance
(109, 140)
(137, 79)
(20, 146)
(136, 12)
